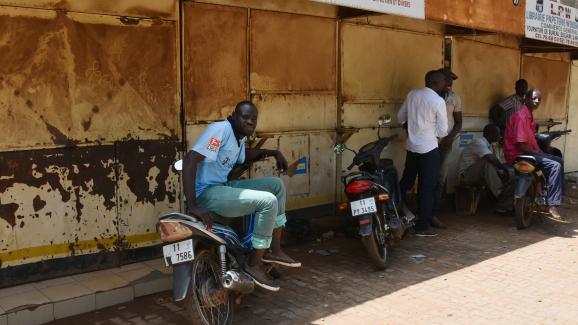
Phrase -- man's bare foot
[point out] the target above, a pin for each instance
(280, 258)
(554, 214)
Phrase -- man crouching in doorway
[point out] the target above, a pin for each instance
(480, 166)
(205, 171)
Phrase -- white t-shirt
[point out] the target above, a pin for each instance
(426, 115)
(479, 148)
(453, 104)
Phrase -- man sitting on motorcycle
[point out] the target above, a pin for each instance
(205, 171)
(520, 139)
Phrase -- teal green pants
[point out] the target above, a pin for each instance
(265, 197)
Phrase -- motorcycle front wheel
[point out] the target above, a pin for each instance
(377, 246)
(208, 303)
(522, 212)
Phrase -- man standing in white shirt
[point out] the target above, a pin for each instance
(424, 112)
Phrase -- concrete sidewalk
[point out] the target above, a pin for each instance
(43, 302)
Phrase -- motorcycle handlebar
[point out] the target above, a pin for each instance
(385, 139)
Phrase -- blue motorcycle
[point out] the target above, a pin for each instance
(207, 272)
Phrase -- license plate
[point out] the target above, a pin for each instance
(362, 207)
(179, 252)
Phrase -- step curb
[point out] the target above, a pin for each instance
(46, 301)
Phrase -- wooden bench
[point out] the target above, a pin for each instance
(467, 198)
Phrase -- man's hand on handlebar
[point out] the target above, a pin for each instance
(205, 215)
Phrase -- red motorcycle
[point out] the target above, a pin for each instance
(374, 200)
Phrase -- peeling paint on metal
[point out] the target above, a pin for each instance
(76, 79)
(148, 186)
(141, 158)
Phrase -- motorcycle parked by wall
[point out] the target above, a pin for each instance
(207, 272)
(374, 198)
(530, 183)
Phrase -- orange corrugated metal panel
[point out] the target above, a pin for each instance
(292, 52)
(165, 9)
(551, 77)
(486, 72)
(215, 60)
(85, 79)
(501, 16)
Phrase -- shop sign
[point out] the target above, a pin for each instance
(409, 8)
(552, 21)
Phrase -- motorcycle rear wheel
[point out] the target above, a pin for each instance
(377, 249)
(207, 302)
(522, 212)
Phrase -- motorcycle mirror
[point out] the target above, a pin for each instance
(384, 120)
(339, 148)
(178, 165)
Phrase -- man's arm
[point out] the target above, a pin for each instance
(449, 139)
(441, 126)
(190, 164)
(492, 159)
(252, 155)
(402, 114)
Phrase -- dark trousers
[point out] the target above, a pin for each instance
(425, 166)
(440, 187)
(553, 168)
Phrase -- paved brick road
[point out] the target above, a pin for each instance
(480, 271)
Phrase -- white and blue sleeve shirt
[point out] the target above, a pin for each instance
(222, 152)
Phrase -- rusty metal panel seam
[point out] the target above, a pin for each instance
(292, 92)
(491, 44)
(390, 28)
(247, 6)
(166, 15)
(74, 13)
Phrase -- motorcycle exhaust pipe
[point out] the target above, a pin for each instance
(397, 228)
(238, 282)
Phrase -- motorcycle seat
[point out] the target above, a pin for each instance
(222, 220)
(386, 163)
(530, 159)
(240, 224)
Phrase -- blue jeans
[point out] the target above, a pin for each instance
(553, 168)
(426, 167)
(265, 197)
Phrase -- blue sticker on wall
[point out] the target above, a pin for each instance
(465, 140)
(301, 166)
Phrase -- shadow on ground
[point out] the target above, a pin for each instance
(330, 284)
